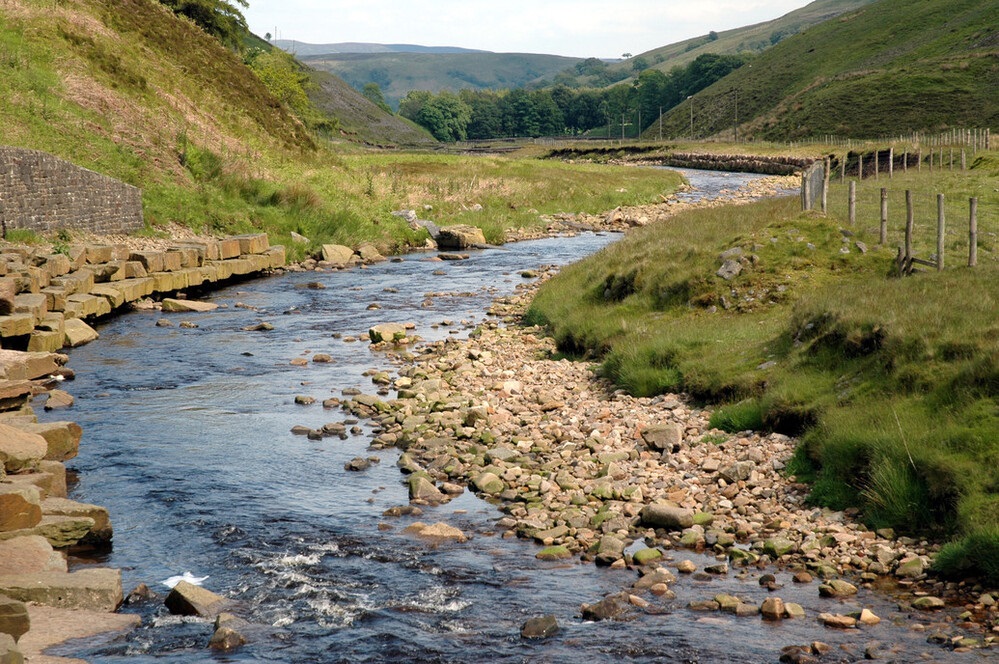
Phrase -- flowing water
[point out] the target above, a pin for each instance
(187, 442)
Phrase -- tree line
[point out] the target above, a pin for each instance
(628, 108)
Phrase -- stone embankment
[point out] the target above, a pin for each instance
(593, 473)
(46, 297)
(45, 300)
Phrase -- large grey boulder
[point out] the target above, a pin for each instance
(663, 437)
(187, 599)
(461, 236)
(670, 517)
(338, 254)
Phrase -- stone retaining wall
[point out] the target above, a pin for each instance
(43, 296)
(43, 193)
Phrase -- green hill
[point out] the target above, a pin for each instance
(888, 68)
(398, 73)
(750, 39)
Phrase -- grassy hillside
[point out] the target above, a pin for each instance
(749, 39)
(893, 382)
(304, 49)
(132, 91)
(887, 68)
(398, 73)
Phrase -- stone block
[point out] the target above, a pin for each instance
(223, 269)
(100, 533)
(105, 272)
(113, 295)
(8, 291)
(136, 289)
(46, 483)
(62, 439)
(96, 589)
(153, 261)
(57, 265)
(79, 333)
(14, 619)
(20, 507)
(193, 276)
(120, 252)
(172, 261)
(31, 303)
(80, 281)
(16, 325)
(229, 248)
(28, 554)
(240, 266)
(15, 365)
(189, 256)
(45, 341)
(99, 253)
(134, 269)
(57, 487)
(255, 243)
(85, 304)
(55, 298)
(276, 255)
(77, 255)
(20, 450)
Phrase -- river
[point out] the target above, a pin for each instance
(187, 442)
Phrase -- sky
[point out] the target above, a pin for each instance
(576, 28)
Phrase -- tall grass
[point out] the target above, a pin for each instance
(894, 383)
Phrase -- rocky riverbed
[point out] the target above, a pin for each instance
(590, 472)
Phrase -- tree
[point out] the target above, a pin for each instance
(414, 101)
(445, 116)
(373, 93)
(219, 18)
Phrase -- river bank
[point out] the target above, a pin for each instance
(589, 472)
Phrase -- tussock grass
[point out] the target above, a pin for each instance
(894, 383)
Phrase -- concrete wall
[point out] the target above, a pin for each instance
(43, 193)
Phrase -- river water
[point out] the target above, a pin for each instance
(187, 442)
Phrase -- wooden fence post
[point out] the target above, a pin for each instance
(877, 160)
(891, 162)
(919, 160)
(827, 165)
(884, 215)
(905, 161)
(909, 221)
(940, 232)
(853, 202)
(973, 233)
(842, 168)
(964, 160)
(860, 166)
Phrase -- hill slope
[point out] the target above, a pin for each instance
(888, 68)
(398, 73)
(749, 39)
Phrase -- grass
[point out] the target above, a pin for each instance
(892, 383)
(133, 92)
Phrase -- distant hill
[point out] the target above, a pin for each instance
(399, 72)
(749, 39)
(890, 67)
(303, 49)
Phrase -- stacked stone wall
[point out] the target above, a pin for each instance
(42, 193)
